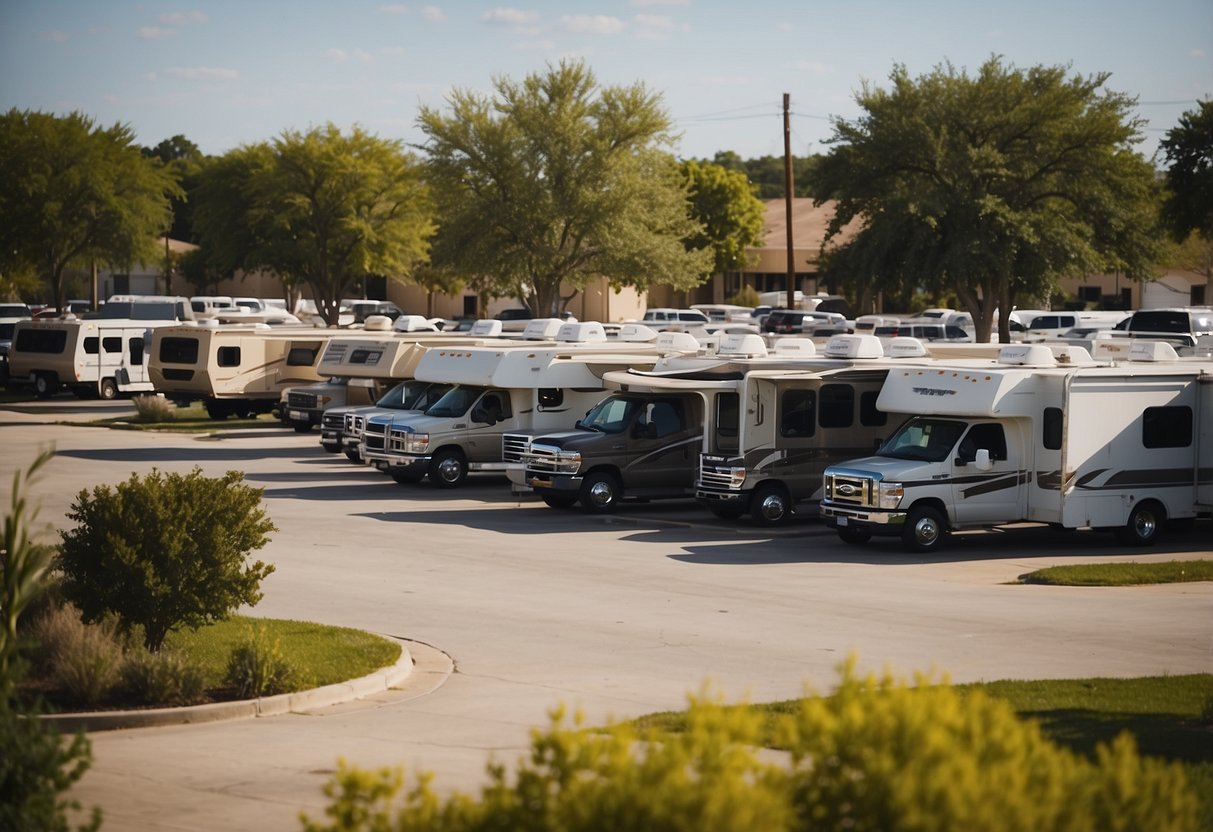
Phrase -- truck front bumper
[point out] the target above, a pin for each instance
(554, 483)
(411, 465)
(733, 499)
(298, 416)
(871, 520)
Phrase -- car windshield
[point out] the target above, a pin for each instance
(455, 402)
(610, 415)
(407, 394)
(926, 439)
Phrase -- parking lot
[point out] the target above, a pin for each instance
(618, 615)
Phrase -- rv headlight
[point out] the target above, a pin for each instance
(889, 494)
(417, 443)
(568, 462)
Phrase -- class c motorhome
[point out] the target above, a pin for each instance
(1125, 446)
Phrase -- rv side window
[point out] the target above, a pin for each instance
(179, 350)
(551, 397)
(837, 406)
(798, 413)
(1166, 427)
(136, 350)
(988, 436)
(728, 411)
(41, 340)
(229, 357)
(111, 344)
(666, 417)
(302, 356)
(1051, 428)
(90, 345)
(870, 415)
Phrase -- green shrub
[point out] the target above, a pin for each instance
(153, 409)
(258, 668)
(164, 678)
(165, 551)
(876, 755)
(746, 296)
(82, 660)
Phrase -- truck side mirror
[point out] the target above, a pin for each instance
(982, 461)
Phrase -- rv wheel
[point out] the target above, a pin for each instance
(405, 477)
(45, 385)
(217, 409)
(600, 492)
(924, 529)
(770, 504)
(301, 427)
(559, 501)
(354, 456)
(1144, 524)
(107, 389)
(448, 469)
(331, 447)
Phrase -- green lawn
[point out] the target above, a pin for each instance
(1122, 574)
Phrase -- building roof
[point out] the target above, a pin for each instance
(809, 224)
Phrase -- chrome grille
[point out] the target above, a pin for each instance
(544, 458)
(301, 400)
(514, 447)
(333, 421)
(721, 477)
(850, 490)
(374, 434)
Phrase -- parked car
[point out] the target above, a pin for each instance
(675, 316)
(803, 322)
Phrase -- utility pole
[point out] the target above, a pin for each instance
(787, 198)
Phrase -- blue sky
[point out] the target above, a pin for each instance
(230, 72)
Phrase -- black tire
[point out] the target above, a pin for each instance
(1143, 526)
(600, 492)
(405, 477)
(770, 505)
(448, 468)
(559, 500)
(107, 389)
(852, 536)
(725, 511)
(218, 410)
(331, 447)
(353, 456)
(299, 427)
(45, 385)
(924, 529)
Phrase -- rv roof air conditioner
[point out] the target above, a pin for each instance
(582, 332)
(1152, 351)
(794, 348)
(744, 345)
(638, 333)
(683, 342)
(377, 323)
(854, 346)
(903, 346)
(406, 323)
(542, 329)
(486, 328)
(1035, 355)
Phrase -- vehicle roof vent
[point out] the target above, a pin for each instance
(542, 329)
(794, 347)
(377, 323)
(582, 332)
(683, 342)
(407, 323)
(637, 333)
(1152, 351)
(745, 345)
(1027, 355)
(854, 346)
(1071, 355)
(903, 346)
(486, 328)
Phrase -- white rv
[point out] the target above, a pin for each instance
(92, 356)
(1126, 446)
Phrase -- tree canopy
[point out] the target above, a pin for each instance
(1189, 152)
(732, 217)
(321, 208)
(556, 180)
(74, 192)
(991, 186)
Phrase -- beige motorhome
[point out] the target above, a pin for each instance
(92, 357)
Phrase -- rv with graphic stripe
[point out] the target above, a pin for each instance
(1123, 446)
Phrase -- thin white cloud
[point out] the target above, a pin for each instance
(811, 67)
(657, 26)
(181, 18)
(510, 17)
(155, 32)
(433, 14)
(204, 73)
(783, 27)
(595, 24)
(1198, 53)
(55, 36)
(394, 8)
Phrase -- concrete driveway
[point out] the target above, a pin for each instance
(618, 616)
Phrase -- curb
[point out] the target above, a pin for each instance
(299, 702)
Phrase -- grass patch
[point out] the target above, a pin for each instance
(324, 655)
(1171, 717)
(1122, 574)
(191, 419)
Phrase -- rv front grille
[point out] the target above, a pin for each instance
(718, 477)
(850, 490)
(333, 421)
(548, 459)
(514, 447)
(354, 425)
(301, 400)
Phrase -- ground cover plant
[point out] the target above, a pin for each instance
(1122, 574)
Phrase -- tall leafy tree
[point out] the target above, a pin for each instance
(732, 217)
(1188, 209)
(73, 191)
(321, 208)
(994, 185)
(557, 181)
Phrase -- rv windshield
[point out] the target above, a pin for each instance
(611, 415)
(455, 402)
(921, 438)
(413, 395)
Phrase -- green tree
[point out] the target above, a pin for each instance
(556, 180)
(768, 173)
(1188, 208)
(319, 208)
(74, 192)
(733, 219)
(992, 186)
(165, 551)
